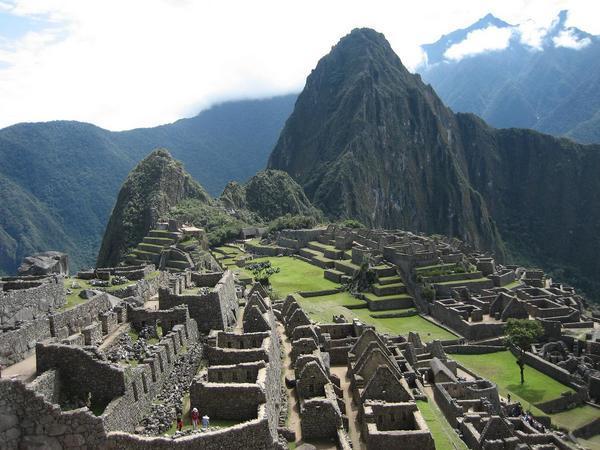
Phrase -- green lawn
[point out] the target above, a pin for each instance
(444, 436)
(295, 276)
(576, 417)
(502, 369)
(321, 309)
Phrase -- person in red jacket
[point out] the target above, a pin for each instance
(179, 423)
(195, 418)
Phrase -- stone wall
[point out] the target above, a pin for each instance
(48, 385)
(144, 382)
(18, 344)
(30, 421)
(35, 301)
(143, 288)
(81, 372)
(215, 310)
(71, 321)
(251, 435)
(27, 420)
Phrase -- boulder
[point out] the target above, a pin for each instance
(45, 263)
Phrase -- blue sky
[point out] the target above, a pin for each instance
(130, 63)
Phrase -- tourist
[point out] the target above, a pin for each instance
(205, 422)
(195, 418)
(508, 397)
(179, 423)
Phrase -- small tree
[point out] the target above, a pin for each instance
(522, 333)
(262, 271)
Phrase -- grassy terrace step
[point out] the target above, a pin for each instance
(389, 280)
(151, 248)
(178, 264)
(314, 245)
(383, 270)
(310, 253)
(382, 303)
(387, 312)
(465, 282)
(164, 242)
(388, 289)
(435, 267)
(333, 275)
(321, 261)
(164, 234)
(146, 256)
(347, 267)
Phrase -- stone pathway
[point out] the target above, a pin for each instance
(351, 409)
(23, 370)
(293, 412)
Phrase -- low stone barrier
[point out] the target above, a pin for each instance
(18, 344)
(307, 294)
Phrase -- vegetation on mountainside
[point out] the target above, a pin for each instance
(157, 184)
(290, 222)
(60, 179)
(273, 193)
(508, 88)
(220, 226)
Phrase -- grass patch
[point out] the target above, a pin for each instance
(152, 275)
(322, 308)
(444, 436)
(461, 282)
(502, 369)
(295, 275)
(513, 285)
(576, 417)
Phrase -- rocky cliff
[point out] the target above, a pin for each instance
(368, 140)
(157, 184)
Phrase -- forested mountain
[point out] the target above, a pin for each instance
(60, 179)
(553, 87)
(370, 141)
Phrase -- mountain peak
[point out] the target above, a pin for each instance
(157, 184)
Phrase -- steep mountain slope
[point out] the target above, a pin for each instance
(273, 193)
(71, 172)
(370, 141)
(553, 89)
(157, 184)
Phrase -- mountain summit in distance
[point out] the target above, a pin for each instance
(371, 141)
(551, 85)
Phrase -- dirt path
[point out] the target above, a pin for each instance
(288, 371)
(23, 370)
(351, 409)
(113, 336)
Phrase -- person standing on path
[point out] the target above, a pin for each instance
(195, 418)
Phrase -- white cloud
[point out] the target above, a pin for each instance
(480, 41)
(132, 63)
(566, 38)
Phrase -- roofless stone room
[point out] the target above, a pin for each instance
(282, 225)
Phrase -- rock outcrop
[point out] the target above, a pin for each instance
(45, 263)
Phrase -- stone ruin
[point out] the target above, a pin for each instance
(79, 398)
